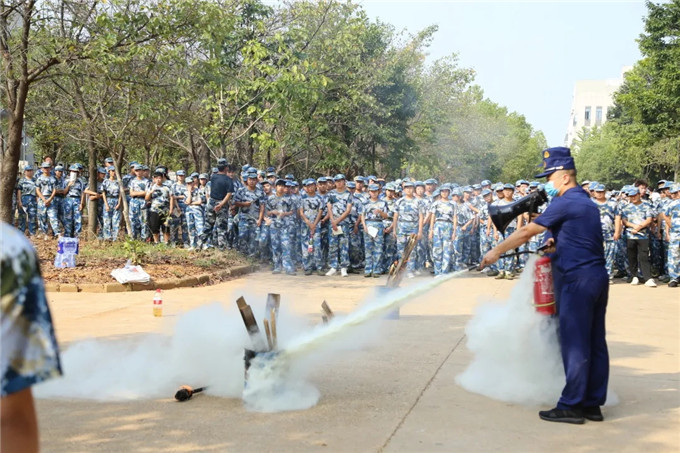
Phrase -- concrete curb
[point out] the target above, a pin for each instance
(185, 282)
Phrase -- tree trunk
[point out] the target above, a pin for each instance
(92, 204)
(10, 165)
(204, 158)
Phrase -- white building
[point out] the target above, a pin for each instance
(591, 101)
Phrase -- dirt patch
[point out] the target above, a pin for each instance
(96, 260)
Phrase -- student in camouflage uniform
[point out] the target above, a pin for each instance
(470, 231)
(217, 209)
(73, 203)
(27, 203)
(138, 188)
(636, 216)
(423, 245)
(264, 238)
(506, 266)
(162, 204)
(310, 213)
(356, 243)
(29, 353)
(339, 208)
(390, 240)
(178, 218)
(672, 222)
(373, 213)
(443, 224)
(58, 200)
(46, 190)
(249, 200)
(607, 220)
(324, 223)
(486, 231)
(408, 220)
(112, 200)
(279, 208)
(194, 212)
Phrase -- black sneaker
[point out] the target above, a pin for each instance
(593, 413)
(308, 272)
(492, 273)
(572, 416)
(673, 284)
(367, 275)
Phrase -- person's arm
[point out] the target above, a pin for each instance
(519, 237)
(106, 204)
(39, 193)
(224, 201)
(420, 225)
(18, 423)
(618, 225)
(344, 214)
(395, 222)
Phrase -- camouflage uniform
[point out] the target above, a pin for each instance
(506, 265)
(407, 224)
(280, 233)
(423, 246)
(373, 245)
(194, 216)
(46, 185)
(247, 219)
(486, 241)
(607, 219)
(390, 241)
(673, 251)
(72, 215)
(137, 207)
(444, 212)
(111, 227)
(266, 228)
(30, 204)
(356, 240)
(637, 214)
(29, 353)
(312, 258)
(179, 191)
(338, 244)
(217, 221)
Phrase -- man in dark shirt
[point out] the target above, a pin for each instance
(581, 287)
(216, 210)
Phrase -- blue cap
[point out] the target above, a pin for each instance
(194, 174)
(431, 181)
(261, 173)
(436, 192)
(420, 184)
(133, 163)
(533, 184)
(486, 192)
(477, 186)
(60, 168)
(280, 182)
(45, 165)
(592, 185)
(486, 182)
(203, 176)
(338, 177)
(498, 187)
(633, 191)
(467, 189)
(271, 169)
(271, 174)
(585, 183)
(180, 173)
(373, 177)
(135, 167)
(73, 167)
(289, 177)
(144, 167)
(214, 170)
(251, 174)
(222, 162)
(667, 185)
(101, 170)
(407, 184)
(359, 178)
(674, 188)
(245, 168)
(309, 182)
(190, 179)
(372, 187)
(109, 160)
(28, 167)
(109, 168)
(598, 188)
(554, 159)
(290, 183)
(390, 186)
(321, 179)
(79, 165)
(351, 185)
(509, 186)
(456, 193)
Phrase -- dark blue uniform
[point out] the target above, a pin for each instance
(581, 289)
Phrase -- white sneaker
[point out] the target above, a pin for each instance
(331, 271)
(418, 273)
(651, 283)
(343, 272)
(410, 275)
(635, 281)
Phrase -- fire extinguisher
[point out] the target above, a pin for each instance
(544, 296)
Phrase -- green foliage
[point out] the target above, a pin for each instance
(309, 87)
(135, 250)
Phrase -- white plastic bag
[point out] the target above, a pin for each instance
(130, 274)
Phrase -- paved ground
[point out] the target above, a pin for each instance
(398, 394)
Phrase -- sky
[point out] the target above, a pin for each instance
(527, 54)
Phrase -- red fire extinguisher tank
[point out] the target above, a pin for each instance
(544, 297)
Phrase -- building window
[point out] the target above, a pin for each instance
(598, 116)
(587, 117)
